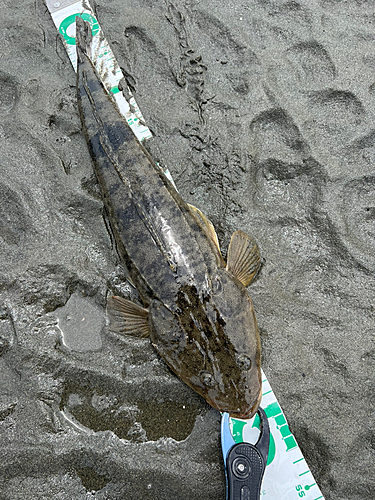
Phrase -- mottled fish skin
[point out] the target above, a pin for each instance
(201, 319)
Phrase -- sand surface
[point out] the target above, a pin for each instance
(264, 112)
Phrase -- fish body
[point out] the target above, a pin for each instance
(196, 309)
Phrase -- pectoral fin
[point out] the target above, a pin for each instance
(243, 257)
(126, 317)
(205, 223)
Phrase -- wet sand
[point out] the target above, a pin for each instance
(264, 114)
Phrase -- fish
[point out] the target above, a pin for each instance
(194, 306)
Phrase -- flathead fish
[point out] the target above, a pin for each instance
(195, 307)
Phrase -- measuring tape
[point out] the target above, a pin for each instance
(287, 475)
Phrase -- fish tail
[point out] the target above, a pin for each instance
(83, 38)
(106, 131)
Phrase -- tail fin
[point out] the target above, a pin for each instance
(83, 38)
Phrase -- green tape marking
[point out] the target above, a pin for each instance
(63, 29)
(115, 90)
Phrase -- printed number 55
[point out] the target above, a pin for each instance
(301, 493)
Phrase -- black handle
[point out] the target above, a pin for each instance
(245, 469)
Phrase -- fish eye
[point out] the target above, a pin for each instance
(208, 379)
(244, 362)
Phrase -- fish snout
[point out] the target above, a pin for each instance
(246, 412)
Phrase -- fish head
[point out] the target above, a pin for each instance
(212, 344)
(232, 377)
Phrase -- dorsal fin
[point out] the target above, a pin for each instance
(126, 317)
(206, 224)
(243, 258)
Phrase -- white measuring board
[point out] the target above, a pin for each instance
(287, 475)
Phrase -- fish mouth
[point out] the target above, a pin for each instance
(250, 413)
(238, 414)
